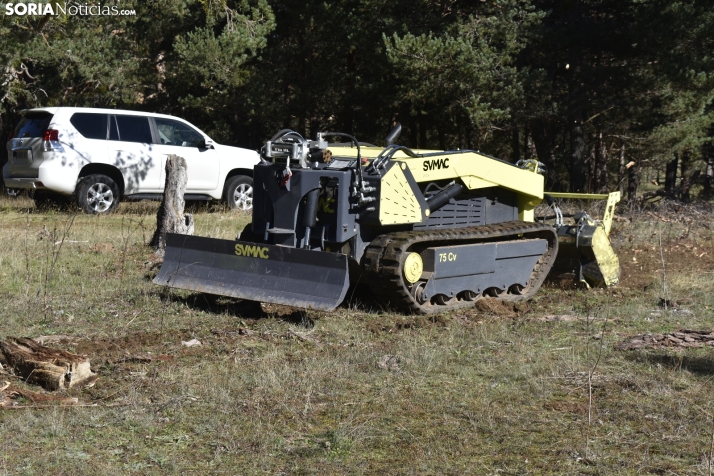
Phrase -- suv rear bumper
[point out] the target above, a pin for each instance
(23, 183)
(56, 175)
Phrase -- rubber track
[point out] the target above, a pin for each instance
(384, 256)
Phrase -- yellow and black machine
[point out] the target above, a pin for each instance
(428, 231)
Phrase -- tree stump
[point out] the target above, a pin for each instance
(50, 368)
(171, 217)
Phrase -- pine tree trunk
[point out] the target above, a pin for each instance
(578, 178)
(684, 165)
(576, 114)
(623, 171)
(670, 177)
(601, 165)
(709, 175)
(530, 151)
(171, 218)
(632, 183)
(462, 131)
(470, 133)
(544, 150)
(413, 132)
(515, 144)
(708, 156)
(314, 123)
(591, 168)
(302, 125)
(348, 111)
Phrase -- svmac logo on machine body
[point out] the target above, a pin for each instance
(252, 251)
(435, 164)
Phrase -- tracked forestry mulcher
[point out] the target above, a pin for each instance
(428, 231)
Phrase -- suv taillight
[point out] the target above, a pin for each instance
(12, 134)
(51, 134)
(50, 141)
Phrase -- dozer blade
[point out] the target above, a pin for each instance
(257, 272)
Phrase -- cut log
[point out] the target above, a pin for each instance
(171, 217)
(50, 368)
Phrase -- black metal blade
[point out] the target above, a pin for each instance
(257, 272)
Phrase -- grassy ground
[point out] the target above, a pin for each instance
(535, 388)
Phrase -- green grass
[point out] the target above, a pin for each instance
(472, 392)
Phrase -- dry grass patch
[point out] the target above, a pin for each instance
(272, 390)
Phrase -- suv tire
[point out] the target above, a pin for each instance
(239, 193)
(97, 194)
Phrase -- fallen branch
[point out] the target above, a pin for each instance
(132, 319)
(657, 217)
(10, 394)
(36, 397)
(78, 405)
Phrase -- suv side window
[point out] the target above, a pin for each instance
(177, 133)
(131, 129)
(90, 125)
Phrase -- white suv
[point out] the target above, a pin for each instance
(97, 156)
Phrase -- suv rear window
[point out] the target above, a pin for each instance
(90, 125)
(33, 125)
(132, 129)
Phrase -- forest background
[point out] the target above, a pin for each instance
(608, 94)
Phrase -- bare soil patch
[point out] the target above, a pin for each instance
(393, 324)
(641, 265)
(496, 308)
(138, 347)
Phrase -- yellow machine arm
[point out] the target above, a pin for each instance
(473, 169)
